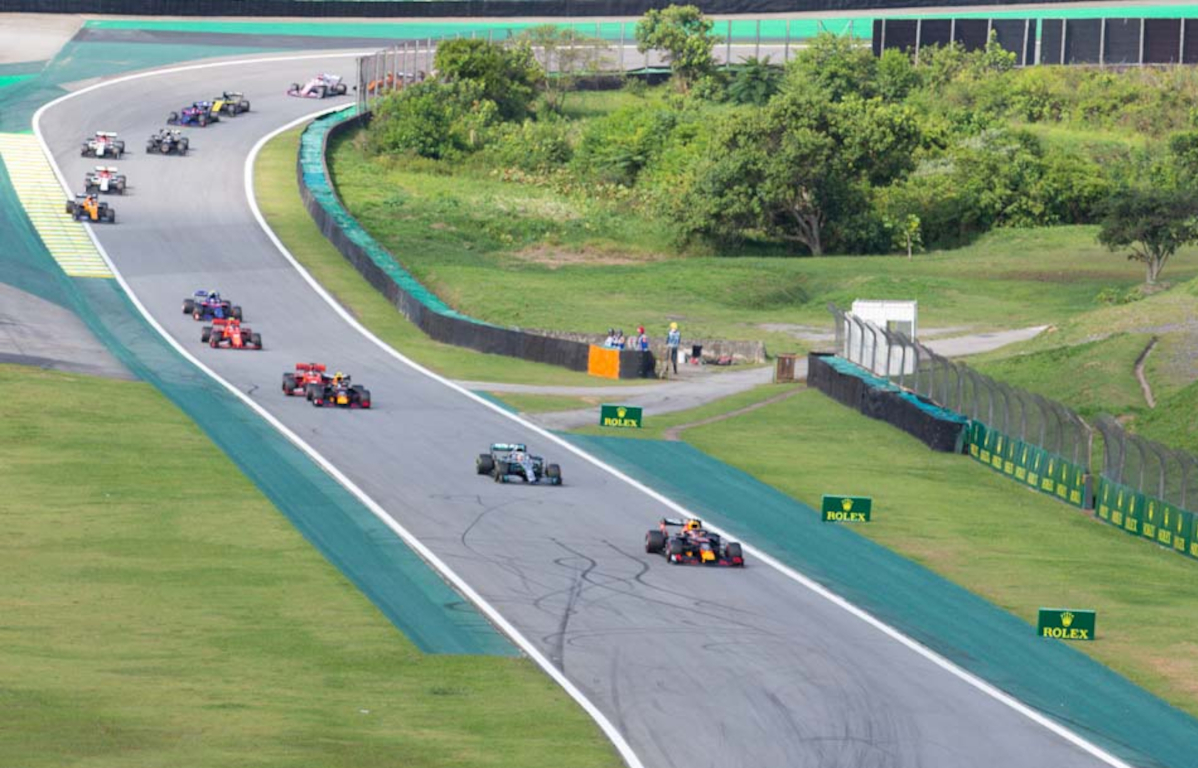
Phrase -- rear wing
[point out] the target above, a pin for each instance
(677, 522)
(107, 134)
(318, 367)
(509, 447)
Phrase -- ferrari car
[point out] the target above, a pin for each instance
(230, 334)
(296, 382)
(103, 144)
(512, 461)
(686, 542)
(200, 113)
(104, 178)
(209, 305)
(337, 390)
(319, 87)
(90, 207)
(168, 141)
(231, 103)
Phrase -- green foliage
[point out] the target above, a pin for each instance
(755, 82)
(432, 119)
(1152, 222)
(896, 76)
(614, 149)
(566, 55)
(835, 65)
(683, 35)
(507, 75)
(1117, 297)
(534, 146)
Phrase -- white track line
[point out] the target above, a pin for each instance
(608, 728)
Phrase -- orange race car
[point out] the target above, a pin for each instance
(305, 374)
(91, 208)
(230, 333)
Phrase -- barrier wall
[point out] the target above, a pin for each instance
(1031, 465)
(1147, 517)
(420, 305)
(853, 386)
(455, 8)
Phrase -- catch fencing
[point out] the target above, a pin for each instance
(1145, 488)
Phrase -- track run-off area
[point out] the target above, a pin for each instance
(680, 666)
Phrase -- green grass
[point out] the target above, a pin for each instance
(1173, 422)
(532, 403)
(143, 627)
(656, 426)
(1092, 378)
(1013, 546)
(278, 197)
(526, 255)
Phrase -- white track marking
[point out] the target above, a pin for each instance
(609, 729)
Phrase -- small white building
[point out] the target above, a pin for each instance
(891, 316)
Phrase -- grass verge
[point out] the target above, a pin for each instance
(278, 197)
(1013, 546)
(145, 626)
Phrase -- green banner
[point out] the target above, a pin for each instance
(622, 416)
(1066, 624)
(846, 509)
(1028, 464)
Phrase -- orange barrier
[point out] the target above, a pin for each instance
(604, 362)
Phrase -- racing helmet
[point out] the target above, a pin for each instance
(691, 525)
(338, 376)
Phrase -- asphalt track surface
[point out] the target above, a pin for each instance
(695, 667)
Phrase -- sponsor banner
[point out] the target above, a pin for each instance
(1066, 624)
(1028, 464)
(846, 509)
(620, 416)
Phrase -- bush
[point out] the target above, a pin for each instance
(532, 146)
(615, 148)
(508, 76)
(432, 120)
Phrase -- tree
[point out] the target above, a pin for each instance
(565, 54)
(896, 75)
(755, 82)
(683, 34)
(1151, 221)
(506, 75)
(431, 119)
(836, 65)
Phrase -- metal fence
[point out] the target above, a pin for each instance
(909, 365)
(1147, 466)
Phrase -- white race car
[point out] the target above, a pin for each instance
(105, 178)
(319, 87)
(103, 144)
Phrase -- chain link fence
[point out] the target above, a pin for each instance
(1147, 466)
(909, 365)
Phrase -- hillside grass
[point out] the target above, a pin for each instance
(1017, 548)
(278, 197)
(151, 621)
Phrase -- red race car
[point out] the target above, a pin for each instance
(692, 544)
(229, 333)
(305, 373)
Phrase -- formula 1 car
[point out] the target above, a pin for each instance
(305, 374)
(91, 208)
(200, 113)
(168, 141)
(208, 305)
(508, 461)
(231, 103)
(103, 144)
(229, 333)
(692, 545)
(338, 390)
(105, 178)
(319, 87)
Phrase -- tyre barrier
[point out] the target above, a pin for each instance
(850, 385)
(415, 301)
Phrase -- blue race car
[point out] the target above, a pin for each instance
(199, 113)
(208, 305)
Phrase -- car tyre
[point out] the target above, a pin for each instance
(236, 313)
(655, 542)
(256, 340)
(189, 306)
(734, 551)
(674, 548)
(484, 464)
(206, 334)
(288, 383)
(554, 473)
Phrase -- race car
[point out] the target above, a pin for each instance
(103, 144)
(319, 87)
(508, 461)
(691, 544)
(231, 103)
(91, 208)
(208, 305)
(305, 374)
(200, 113)
(338, 390)
(168, 141)
(229, 333)
(105, 178)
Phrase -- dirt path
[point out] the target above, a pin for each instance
(1145, 387)
(674, 433)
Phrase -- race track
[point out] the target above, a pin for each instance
(695, 667)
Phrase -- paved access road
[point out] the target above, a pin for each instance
(695, 667)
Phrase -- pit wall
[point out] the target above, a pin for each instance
(416, 302)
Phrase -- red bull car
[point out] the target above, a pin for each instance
(686, 542)
(338, 391)
(230, 334)
(305, 374)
